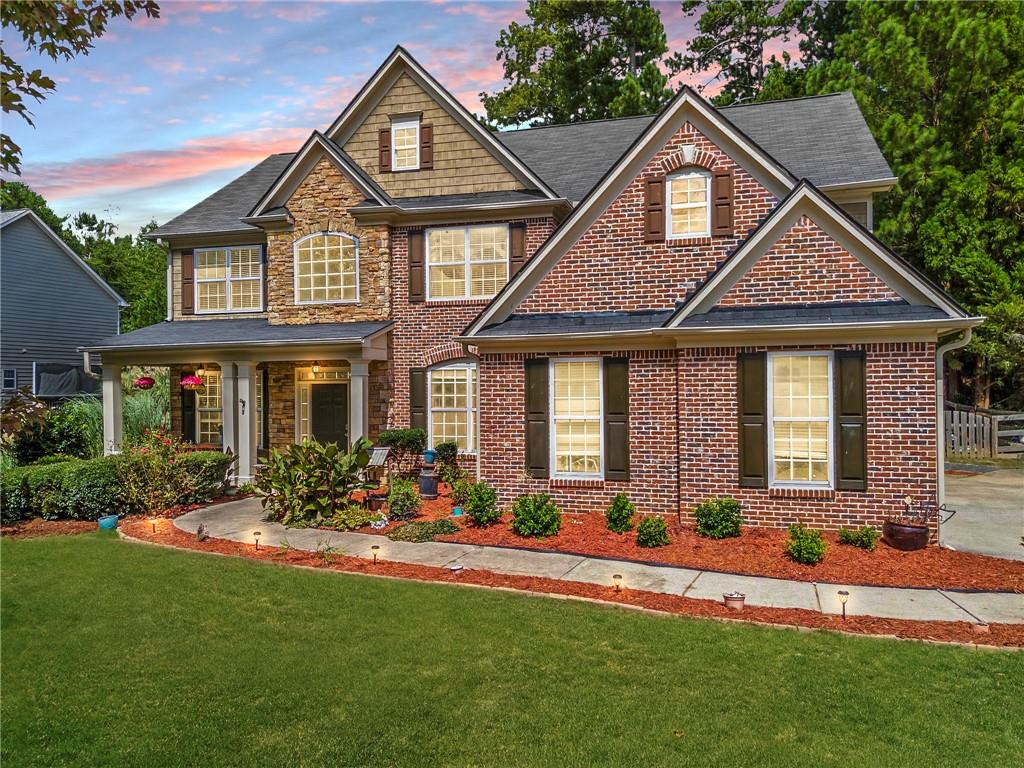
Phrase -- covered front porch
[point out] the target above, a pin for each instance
(246, 386)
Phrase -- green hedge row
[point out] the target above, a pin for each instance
(89, 489)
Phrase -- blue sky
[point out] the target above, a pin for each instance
(162, 113)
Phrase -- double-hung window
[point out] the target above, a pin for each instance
(327, 269)
(800, 419)
(467, 262)
(405, 144)
(209, 416)
(689, 204)
(229, 279)
(10, 378)
(576, 417)
(453, 405)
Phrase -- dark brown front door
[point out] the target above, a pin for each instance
(329, 413)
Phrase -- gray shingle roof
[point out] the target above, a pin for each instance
(813, 315)
(821, 138)
(577, 322)
(222, 211)
(214, 333)
(6, 216)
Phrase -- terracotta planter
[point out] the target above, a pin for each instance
(905, 536)
(734, 600)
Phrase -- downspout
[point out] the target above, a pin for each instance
(170, 282)
(940, 353)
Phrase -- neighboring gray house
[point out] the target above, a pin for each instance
(51, 303)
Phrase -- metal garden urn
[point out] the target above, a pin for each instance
(428, 482)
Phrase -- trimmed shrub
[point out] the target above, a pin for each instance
(91, 489)
(45, 486)
(407, 446)
(620, 514)
(536, 515)
(460, 492)
(447, 460)
(718, 518)
(864, 537)
(55, 458)
(423, 531)
(14, 499)
(805, 545)
(403, 500)
(652, 532)
(481, 504)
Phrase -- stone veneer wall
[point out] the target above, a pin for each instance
(320, 204)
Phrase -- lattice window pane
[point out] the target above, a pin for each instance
(488, 244)
(326, 269)
(246, 294)
(212, 296)
(577, 446)
(488, 279)
(448, 281)
(405, 140)
(211, 265)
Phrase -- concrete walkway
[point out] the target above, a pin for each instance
(989, 515)
(237, 520)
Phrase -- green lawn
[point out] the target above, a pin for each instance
(118, 654)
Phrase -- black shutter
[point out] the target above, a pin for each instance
(722, 203)
(188, 282)
(384, 149)
(417, 281)
(516, 248)
(752, 407)
(265, 425)
(851, 421)
(426, 147)
(537, 458)
(188, 413)
(418, 398)
(616, 418)
(654, 209)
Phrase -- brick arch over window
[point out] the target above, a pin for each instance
(677, 160)
(443, 353)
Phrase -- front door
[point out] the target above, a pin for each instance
(329, 413)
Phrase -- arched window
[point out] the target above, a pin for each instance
(689, 204)
(326, 269)
(452, 402)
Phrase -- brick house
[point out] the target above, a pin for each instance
(674, 306)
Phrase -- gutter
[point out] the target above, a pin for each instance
(940, 418)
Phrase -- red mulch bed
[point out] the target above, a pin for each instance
(30, 529)
(1001, 635)
(758, 552)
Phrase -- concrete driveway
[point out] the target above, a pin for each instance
(990, 513)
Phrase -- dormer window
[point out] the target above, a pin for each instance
(405, 144)
(689, 204)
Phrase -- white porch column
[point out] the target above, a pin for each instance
(248, 430)
(228, 405)
(358, 401)
(111, 409)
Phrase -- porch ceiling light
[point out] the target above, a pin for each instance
(201, 371)
(316, 367)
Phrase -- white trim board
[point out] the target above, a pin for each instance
(687, 106)
(399, 62)
(808, 201)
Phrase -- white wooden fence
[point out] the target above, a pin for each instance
(972, 434)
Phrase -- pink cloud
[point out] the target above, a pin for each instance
(138, 89)
(149, 168)
(297, 12)
(492, 13)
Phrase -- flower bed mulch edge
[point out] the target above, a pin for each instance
(998, 636)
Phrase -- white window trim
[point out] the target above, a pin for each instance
(772, 482)
(295, 268)
(398, 125)
(552, 447)
(219, 409)
(467, 294)
(471, 406)
(669, 234)
(12, 371)
(227, 280)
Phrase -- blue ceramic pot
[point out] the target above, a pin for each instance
(457, 512)
(107, 523)
(429, 455)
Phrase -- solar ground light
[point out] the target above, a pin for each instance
(152, 521)
(617, 581)
(843, 597)
(256, 535)
(375, 549)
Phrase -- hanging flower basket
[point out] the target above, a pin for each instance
(191, 382)
(144, 382)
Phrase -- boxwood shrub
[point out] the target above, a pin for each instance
(482, 504)
(536, 515)
(652, 532)
(619, 515)
(864, 537)
(805, 545)
(718, 518)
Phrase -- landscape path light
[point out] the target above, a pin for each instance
(256, 535)
(375, 549)
(617, 581)
(843, 597)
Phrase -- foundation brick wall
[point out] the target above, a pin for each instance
(319, 204)
(652, 391)
(901, 448)
(807, 266)
(703, 431)
(423, 331)
(611, 267)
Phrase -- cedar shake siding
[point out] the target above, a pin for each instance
(460, 164)
(614, 266)
(806, 266)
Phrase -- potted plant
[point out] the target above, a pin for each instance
(906, 532)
